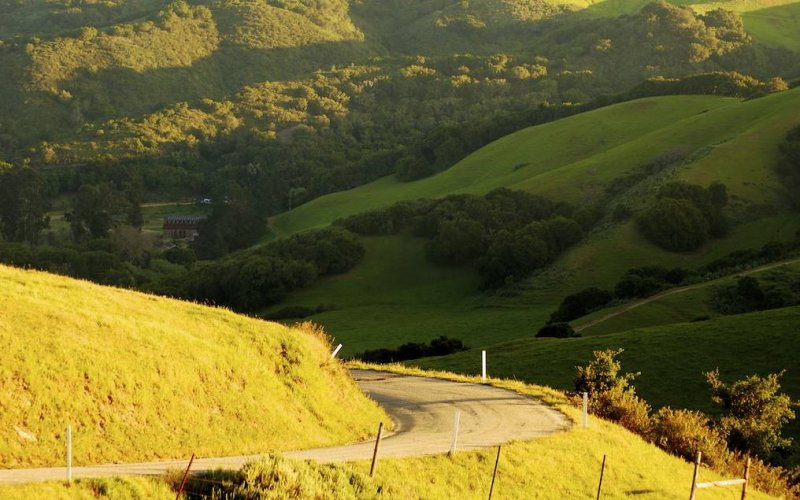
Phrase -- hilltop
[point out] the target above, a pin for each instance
(141, 377)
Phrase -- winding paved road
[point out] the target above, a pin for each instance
(422, 409)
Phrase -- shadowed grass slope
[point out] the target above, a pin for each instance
(141, 377)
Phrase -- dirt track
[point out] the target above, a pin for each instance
(422, 409)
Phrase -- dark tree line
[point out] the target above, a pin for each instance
(251, 280)
(24, 200)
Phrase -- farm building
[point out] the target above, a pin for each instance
(182, 226)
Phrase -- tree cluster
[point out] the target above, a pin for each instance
(684, 216)
(506, 234)
(779, 289)
(24, 200)
(440, 346)
(251, 280)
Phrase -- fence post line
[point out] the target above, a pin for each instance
(694, 476)
(746, 478)
(602, 471)
(494, 474)
(483, 366)
(69, 453)
(185, 477)
(336, 351)
(375, 451)
(456, 418)
(585, 409)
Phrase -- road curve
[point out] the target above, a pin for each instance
(422, 409)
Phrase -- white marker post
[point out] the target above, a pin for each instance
(456, 418)
(336, 351)
(69, 453)
(483, 366)
(586, 409)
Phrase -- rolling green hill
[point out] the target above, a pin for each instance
(731, 141)
(141, 377)
(571, 159)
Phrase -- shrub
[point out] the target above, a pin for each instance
(611, 395)
(753, 413)
(624, 407)
(603, 373)
(581, 303)
(685, 432)
(674, 225)
(557, 330)
(276, 477)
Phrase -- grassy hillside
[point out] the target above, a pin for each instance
(564, 465)
(140, 377)
(570, 159)
(574, 157)
(396, 295)
(778, 25)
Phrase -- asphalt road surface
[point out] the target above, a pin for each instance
(423, 411)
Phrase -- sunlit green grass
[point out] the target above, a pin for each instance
(141, 377)
(779, 26)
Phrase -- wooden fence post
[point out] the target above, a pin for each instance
(69, 454)
(494, 474)
(602, 471)
(185, 477)
(586, 409)
(375, 451)
(694, 476)
(746, 478)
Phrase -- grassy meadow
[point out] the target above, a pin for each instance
(141, 378)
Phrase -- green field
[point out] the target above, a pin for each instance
(141, 377)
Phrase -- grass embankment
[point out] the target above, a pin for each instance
(141, 377)
(564, 465)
